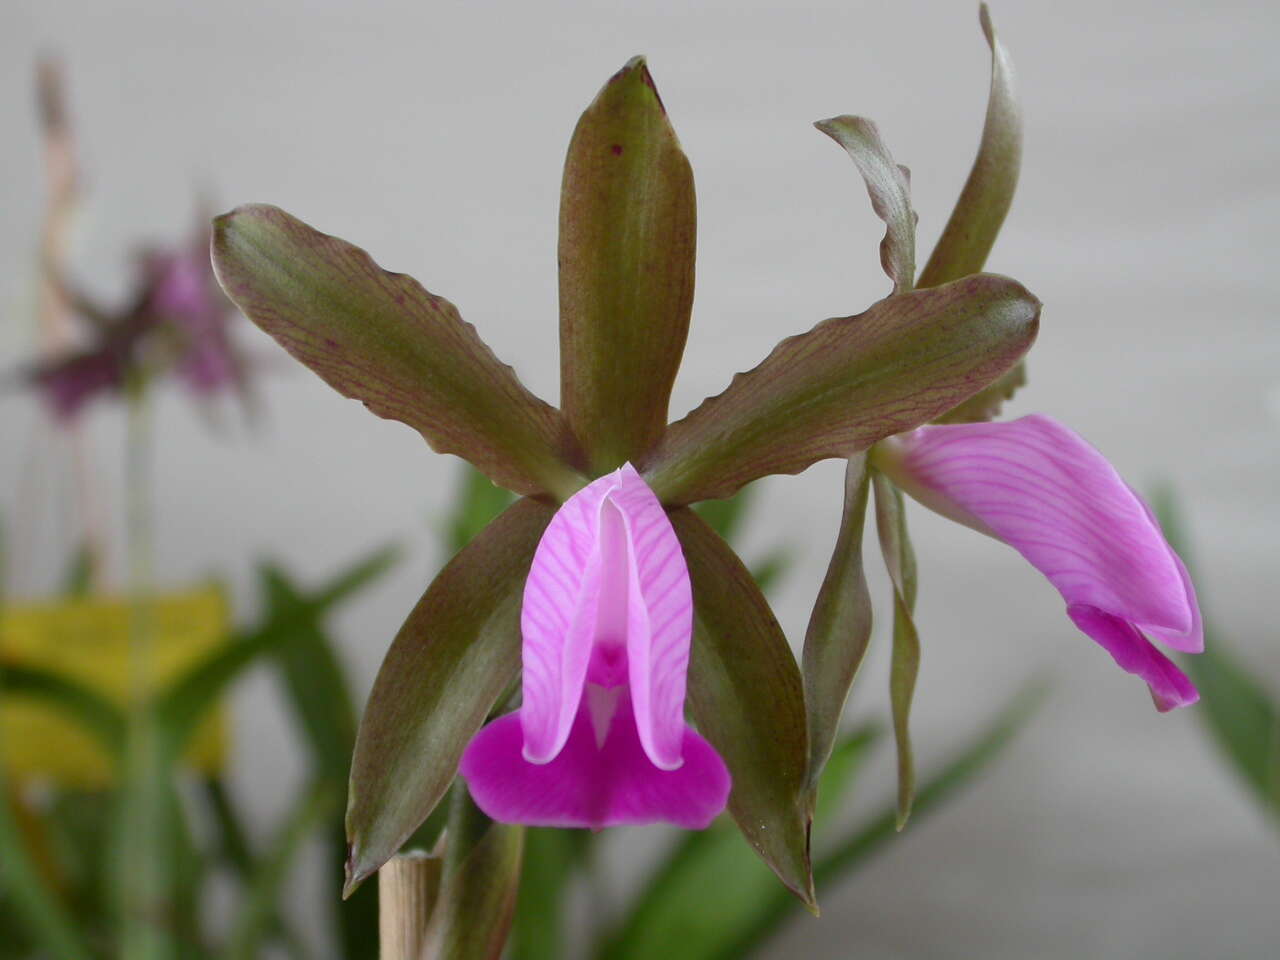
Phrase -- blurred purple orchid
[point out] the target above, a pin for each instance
(177, 319)
(600, 739)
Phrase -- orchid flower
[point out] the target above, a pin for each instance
(607, 618)
(176, 319)
(623, 608)
(1032, 483)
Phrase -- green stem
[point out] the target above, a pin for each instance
(143, 881)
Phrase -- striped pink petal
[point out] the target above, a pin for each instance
(1045, 491)
(607, 600)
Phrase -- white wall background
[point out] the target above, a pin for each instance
(433, 133)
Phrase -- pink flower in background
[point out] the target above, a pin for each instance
(600, 738)
(185, 296)
(177, 320)
(1051, 496)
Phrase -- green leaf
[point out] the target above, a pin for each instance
(231, 839)
(852, 852)
(551, 858)
(83, 705)
(232, 850)
(713, 870)
(27, 893)
(1240, 712)
(889, 186)
(380, 338)
(627, 236)
(451, 661)
(260, 909)
(477, 899)
(726, 517)
(848, 382)
(840, 625)
(746, 696)
(476, 504)
(984, 202)
(904, 665)
(355, 578)
(180, 707)
(768, 571)
(317, 690)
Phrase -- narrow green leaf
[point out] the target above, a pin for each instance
(259, 911)
(477, 899)
(551, 859)
(380, 338)
(889, 186)
(769, 571)
(1243, 718)
(27, 894)
(476, 504)
(627, 235)
(848, 382)
(899, 558)
(984, 202)
(184, 703)
(231, 839)
(708, 891)
(453, 658)
(747, 698)
(840, 625)
(853, 851)
(317, 690)
(355, 578)
(726, 517)
(1240, 712)
(83, 705)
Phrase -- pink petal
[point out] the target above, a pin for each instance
(558, 620)
(593, 785)
(1042, 489)
(658, 654)
(1192, 640)
(1134, 653)
(607, 599)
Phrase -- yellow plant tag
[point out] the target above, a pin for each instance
(89, 641)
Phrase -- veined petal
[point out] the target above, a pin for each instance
(1192, 640)
(608, 588)
(558, 620)
(1046, 492)
(1135, 654)
(658, 656)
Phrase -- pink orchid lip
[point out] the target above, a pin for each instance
(607, 622)
(1042, 489)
